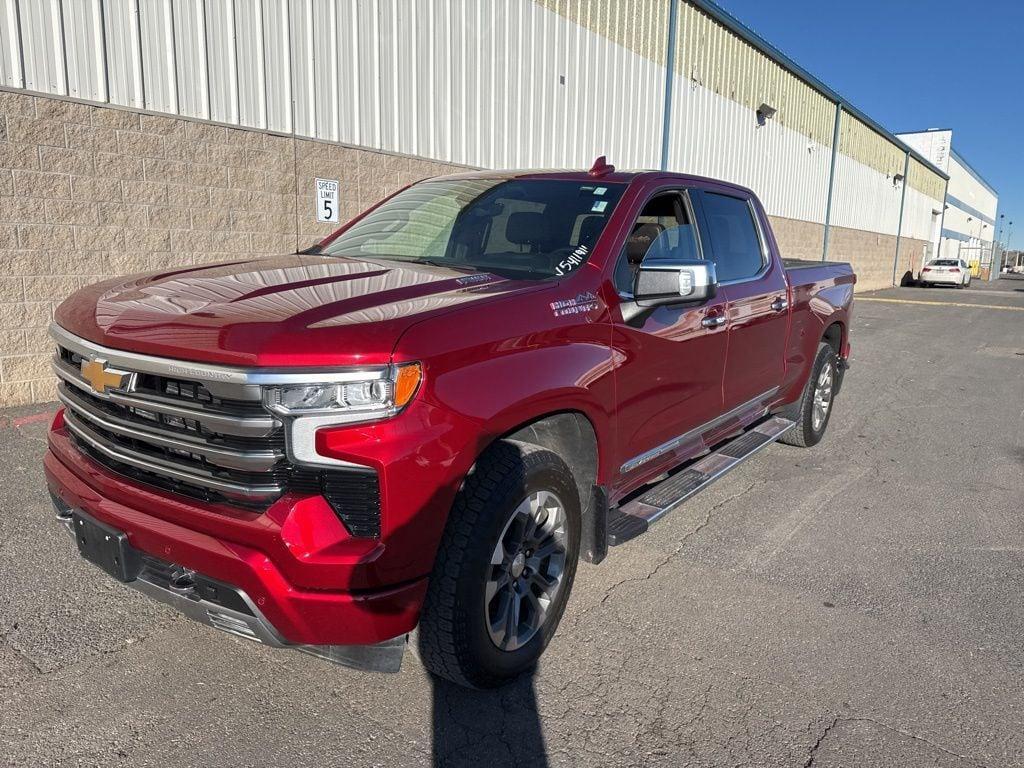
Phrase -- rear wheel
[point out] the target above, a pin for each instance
(812, 411)
(504, 569)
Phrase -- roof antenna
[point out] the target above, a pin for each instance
(601, 167)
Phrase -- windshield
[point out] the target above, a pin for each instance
(521, 228)
(945, 263)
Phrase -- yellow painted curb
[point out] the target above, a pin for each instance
(937, 303)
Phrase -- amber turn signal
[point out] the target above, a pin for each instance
(407, 381)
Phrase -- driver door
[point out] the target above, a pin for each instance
(672, 358)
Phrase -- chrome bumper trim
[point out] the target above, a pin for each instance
(381, 657)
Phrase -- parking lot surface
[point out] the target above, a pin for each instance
(855, 604)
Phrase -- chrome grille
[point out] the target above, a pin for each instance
(181, 432)
(197, 430)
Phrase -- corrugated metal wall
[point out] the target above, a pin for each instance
(510, 83)
(720, 82)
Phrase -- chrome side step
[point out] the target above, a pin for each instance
(636, 516)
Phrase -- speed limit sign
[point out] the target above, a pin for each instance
(326, 200)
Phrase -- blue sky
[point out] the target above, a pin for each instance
(916, 65)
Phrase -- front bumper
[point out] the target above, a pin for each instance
(284, 562)
(229, 609)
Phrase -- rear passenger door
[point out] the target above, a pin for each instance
(754, 287)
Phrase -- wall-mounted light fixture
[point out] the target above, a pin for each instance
(765, 112)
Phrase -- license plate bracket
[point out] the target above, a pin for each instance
(105, 546)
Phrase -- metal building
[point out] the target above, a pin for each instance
(968, 228)
(517, 83)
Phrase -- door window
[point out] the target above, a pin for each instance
(735, 244)
(662, 232)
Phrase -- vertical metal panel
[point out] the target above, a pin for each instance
(124, 53)
(42, 46)
(84, 46)
(251, 63)
(190, 70)
(325, 68)
(349, 75)
(10, 45)
(156, 26)
(276, 49)
(221, 60)
(300, 51)
(368, 95)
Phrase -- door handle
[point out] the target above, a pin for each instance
(713, 321)
(779, 305)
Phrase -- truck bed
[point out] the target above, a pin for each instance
(806, 272)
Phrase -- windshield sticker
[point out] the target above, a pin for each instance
(576, 258)
(599, 206)
(600, 190)
(584, 302)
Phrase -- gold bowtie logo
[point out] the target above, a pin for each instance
(101, 378)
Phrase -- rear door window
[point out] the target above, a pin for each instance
(735, 243)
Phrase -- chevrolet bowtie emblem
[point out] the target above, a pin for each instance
(101, 378)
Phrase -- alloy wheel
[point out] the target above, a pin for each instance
(527, 569)
(822, 397)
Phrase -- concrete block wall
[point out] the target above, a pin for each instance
(798, 239)
(90, 192)
(872, 255)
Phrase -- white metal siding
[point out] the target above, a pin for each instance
(864, 198)
(221, 61)
(124, 52)
(509, 83)
(10, 45)
(84, 45)
(715, 136)
(43, 46)
(190, 48)
(156, 24)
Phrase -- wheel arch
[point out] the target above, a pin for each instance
(573, 436)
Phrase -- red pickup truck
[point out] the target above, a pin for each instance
(426, 420)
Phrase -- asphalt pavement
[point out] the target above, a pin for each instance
(855, 604)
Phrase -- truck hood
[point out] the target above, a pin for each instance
(288, 311)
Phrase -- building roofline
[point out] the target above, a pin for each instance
(970, 169)
(729, 21)
(924, 130)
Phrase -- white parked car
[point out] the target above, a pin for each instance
(946, 272)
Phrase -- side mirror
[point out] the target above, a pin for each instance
(673, 282)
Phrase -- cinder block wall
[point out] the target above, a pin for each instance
(798, 239)
(89, 192)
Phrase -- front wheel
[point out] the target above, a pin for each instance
(504, 568)
(812, 411)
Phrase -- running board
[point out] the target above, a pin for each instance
(636, 516)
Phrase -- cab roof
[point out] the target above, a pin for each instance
(599, 172)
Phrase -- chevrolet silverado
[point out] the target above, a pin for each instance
(425, 421)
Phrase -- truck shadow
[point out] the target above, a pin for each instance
(485, 728)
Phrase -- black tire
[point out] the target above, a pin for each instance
(454, 637)
(806, 434)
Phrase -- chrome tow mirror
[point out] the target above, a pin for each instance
(674, 282)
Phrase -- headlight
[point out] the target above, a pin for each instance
(383, 395)
(350, 399)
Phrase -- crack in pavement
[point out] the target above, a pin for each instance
(812, 755)
(837, 719)
(673, 554)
